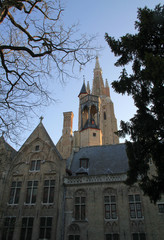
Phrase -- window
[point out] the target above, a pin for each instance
(48, 191)
(104, 115)
(84, 162)
(37, 148)
(8, 228)
(135, 206)
(73, 232)
(45, 227)
(110, 207)
(74, 237)
(112, 236)
(138, 236)
(161, 207)
(94, 134)
(31, 192)
(15, 192)
(26, 230)
(80, 208)
(35, 165)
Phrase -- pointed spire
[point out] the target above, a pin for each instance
(83, 89)
(88, 87)
(97, 65)
(106, 89)
(106, 83)
(98, 83)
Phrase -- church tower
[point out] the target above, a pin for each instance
(89, 118)
(97, 122)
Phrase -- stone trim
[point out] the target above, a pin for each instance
(76, 180)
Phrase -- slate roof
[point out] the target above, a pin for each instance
(106, 159)
(83, 89)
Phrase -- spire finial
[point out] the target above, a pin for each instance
(41, 119)
(83, 78)
(97, 65)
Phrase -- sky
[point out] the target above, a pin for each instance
(117, 18)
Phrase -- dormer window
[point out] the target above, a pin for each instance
(84, 162)
(37, 148)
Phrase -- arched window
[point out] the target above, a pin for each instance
(73, 232)
(84, 117)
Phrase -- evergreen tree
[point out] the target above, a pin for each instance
(145, 51)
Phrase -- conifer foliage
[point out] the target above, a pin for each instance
(145, 51)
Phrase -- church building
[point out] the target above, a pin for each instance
(75, 190)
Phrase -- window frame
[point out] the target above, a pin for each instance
(82, 161)
(108, 207)
(48, 191)
(74, 237)
(15, 193)
(80, 208)
(35, 167)
(45, 229)
(8, 229)
(112, 236)
(31, 192)
(160, 208)
(135, 206)
(27, 228)
(138, 236)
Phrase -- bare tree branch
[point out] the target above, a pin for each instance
(34, 39)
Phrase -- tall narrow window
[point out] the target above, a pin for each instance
(135, 206)
(110, 207)
(8, 228)
(138, 236)
(104, 115)
(35, 165)
(112, 236)
(15, 192)
(80, 208)
(45, 227)
(26, 230)
(31, 192)
(48, 192)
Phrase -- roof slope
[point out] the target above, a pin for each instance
(106, 159)
(41, 133)
(6, 147)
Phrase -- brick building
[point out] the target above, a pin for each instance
(75, 190)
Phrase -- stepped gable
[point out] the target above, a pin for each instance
(102, 159)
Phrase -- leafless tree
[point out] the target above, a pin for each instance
(33, 41)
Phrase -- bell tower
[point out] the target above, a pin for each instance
(97, 122)
(89, 119)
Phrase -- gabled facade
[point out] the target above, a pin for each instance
(32, 199)
(75, 190)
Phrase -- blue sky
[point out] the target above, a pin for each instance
(116, 17)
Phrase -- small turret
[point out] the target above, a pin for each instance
(83, 91)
